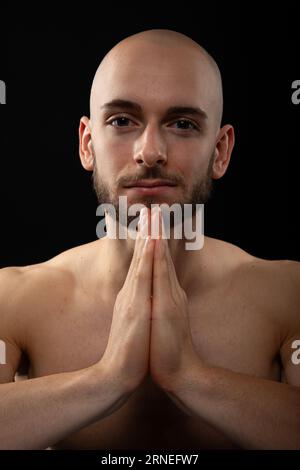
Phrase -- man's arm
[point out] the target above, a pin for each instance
(40, 412)
(37, 413)
(253, 412)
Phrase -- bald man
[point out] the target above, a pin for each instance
(142, 344)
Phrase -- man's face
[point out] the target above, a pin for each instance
(153, 117)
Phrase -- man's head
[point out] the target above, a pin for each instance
(155, 113)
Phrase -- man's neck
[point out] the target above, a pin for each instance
(116, 256)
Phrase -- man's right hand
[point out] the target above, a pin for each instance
(126, 357)
(57, 405)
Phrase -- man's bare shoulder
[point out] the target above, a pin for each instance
(250, 264)
(271, 284)
(25, 286)
(17, 281)
(253, 274)
(279, 278)
(31, 294)
(24, 291)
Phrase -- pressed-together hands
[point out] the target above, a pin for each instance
(172, 351)
(150, 332)
(150, 329)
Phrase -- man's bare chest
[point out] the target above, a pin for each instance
(225, 334)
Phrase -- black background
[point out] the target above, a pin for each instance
(48, 62)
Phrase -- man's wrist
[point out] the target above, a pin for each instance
(105, 388)
(193, 380)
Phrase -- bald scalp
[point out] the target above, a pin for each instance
(167, 39)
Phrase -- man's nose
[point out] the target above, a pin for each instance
(150, 149)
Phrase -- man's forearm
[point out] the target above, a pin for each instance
(37, 413)
(255, 413)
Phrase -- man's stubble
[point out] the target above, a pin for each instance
(199, 193)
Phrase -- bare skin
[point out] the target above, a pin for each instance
(151, 346)
(242, 315)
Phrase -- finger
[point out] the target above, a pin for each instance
(140, 276)
(172, 270)
(145, 223)
(174, 282)
(138, 246)
(155, 228)
(142, 283)
(165, 259)
(161, 275)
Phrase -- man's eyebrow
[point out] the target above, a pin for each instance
(191, 110)
(133, 106)
(125, 104)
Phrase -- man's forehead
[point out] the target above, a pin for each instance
(150, 72)
(151, 66)
(151, 88)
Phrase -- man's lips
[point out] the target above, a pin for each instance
(150, 190)
(150, 184)
(150, 187)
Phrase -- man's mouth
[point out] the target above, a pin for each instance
(149, 184)
(150, 187)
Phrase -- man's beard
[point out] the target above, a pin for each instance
(200, 192)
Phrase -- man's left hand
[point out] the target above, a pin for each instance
(172, 353)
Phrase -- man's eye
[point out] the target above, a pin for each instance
(120, 122)
(185, 124)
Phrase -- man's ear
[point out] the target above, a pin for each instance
(85, 144)
(223, 150)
